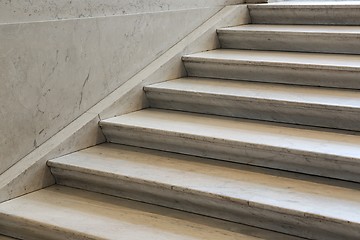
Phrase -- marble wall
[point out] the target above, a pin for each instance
(12, 11)
(53, 71)
(30, 173)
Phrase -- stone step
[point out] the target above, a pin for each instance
(6, 238)
(314, 69)
(302, 12)
(271, 1)
(314, 106)
(282, 146)
(64, 213)
(300, 38)
(306, 206)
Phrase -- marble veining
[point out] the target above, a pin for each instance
(312, 106)
(307, 12)
(299, 38)
(337, 144)
(84, 132)
(6, 238)
(15, 11)
(113, 217)
(204, 176)
(310, 60)
(54, 71)
(279, 92)
(299, 68)
(325, 153)
(271, 199)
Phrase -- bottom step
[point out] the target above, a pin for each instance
(305, 206)
(6, 238)
(66, 213)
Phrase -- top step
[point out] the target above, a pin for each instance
(315, 13)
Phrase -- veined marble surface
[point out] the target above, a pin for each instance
(300, 68)
(300, 38)
(312, 106)
(6, 238)
(307, 12)
(295, 204)
(334, 154)
(31, 174)
(14, 11)
(66, 213)
(52, 72)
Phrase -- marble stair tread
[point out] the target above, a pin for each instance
(316, 60)
(298, 38)
(265, 101)
(306, 12)
(318, 69)
(6, 238)
(247, 141)
(302, 95)
(310, 4)
(228, 186)
(296, 29)
(252, 132)
(65, 213)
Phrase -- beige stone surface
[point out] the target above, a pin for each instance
(314, 60)
(15, 11)
(299, 38)
(31, 173)
(24, 176)
(327, 153)
(50, 78)
(6, 238)
(218, 179)
(301, 68)
(286, 202)
(65, 213)
(307, 12)
(313, 106)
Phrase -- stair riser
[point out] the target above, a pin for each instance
(321, 43)
(275, 111)
(305, 15)
(249, 213)
(325, 76)
(253, 154)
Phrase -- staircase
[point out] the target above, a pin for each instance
(263, 132)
